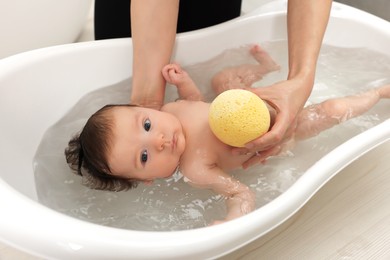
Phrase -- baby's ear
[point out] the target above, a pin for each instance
(148, 182)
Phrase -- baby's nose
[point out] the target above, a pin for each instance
(161, 142)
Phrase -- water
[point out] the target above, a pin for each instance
(172, 204)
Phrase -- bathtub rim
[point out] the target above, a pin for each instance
(176, 237)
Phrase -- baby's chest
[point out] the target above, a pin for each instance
(209, 151)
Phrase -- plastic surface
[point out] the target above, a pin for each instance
(27, 25)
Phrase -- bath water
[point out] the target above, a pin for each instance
(172, 204)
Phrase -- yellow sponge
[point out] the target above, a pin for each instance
(238, 116)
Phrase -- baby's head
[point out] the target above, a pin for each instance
(121, 145)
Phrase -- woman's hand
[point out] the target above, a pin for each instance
(287, 98)
(306, 24)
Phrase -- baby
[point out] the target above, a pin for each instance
(122, 145)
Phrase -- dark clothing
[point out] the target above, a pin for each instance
(112, 17)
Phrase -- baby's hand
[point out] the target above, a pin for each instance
(187, 88)
(217, 222)
(174, 74)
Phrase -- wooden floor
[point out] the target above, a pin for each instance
(349, 218)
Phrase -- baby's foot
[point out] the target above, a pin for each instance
(384, 92)
(264, 59)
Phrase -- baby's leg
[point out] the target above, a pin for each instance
(266, 62)
(319, 117)
(245, 75)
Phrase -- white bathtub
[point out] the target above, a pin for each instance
(38, 87)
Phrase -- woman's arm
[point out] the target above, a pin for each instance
(153, 28)
(307, 21)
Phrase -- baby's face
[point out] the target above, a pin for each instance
(146, 143)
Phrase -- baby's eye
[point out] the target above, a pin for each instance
(144, 156)
(147, 124)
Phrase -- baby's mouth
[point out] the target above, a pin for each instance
(174, 142)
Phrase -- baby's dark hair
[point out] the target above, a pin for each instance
(87, 151)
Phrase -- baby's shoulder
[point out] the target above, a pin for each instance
(199, 154)
(186, 109)
(195, 168)
(178, 104)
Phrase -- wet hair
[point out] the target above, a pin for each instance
(87, 151)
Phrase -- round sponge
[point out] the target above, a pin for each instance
(238, 116)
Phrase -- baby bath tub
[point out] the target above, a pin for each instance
(38, 87)
(28, 25)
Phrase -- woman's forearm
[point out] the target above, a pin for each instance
(153, 28)
(307, 21)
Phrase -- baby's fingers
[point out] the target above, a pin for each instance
(217, 222)
(170, 72)
(165, 72)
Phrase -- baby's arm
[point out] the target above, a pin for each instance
(186, 87)
(240, 200)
